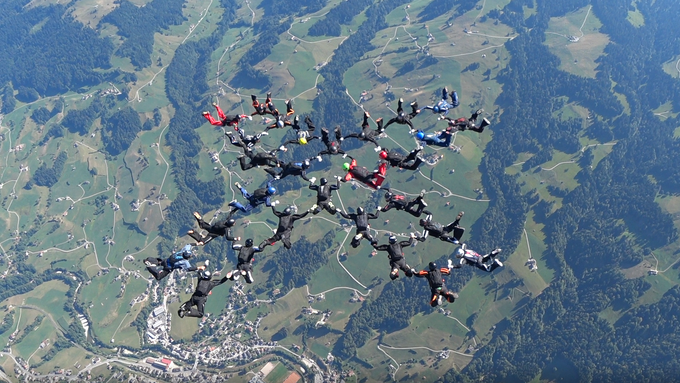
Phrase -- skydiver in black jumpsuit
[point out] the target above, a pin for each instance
(219, 229)
(367, 134)
(332, 146)
(436, 282)
(437, 230)
(395, 253)
(205, 285)
(396, 159)
(400, 202)
(246, 254)
(403, 118)
(282, 119)
(291, 169)
(360, 219)
(462, 124)
(259, 159)
(246, 142)
(303, 136)
(261, 109)
(323, 196)
(286, 221)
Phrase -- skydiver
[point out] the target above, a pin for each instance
(361, 219)
(395, 253)
(396, 159)
(367, 134)
(259, 196)
(443, 105)
(332, 146)
(259, 159)
(219, 229)
(437, 230)
(244, 266)
(261, 109)
(442, 138)
(161, 268)
(471, 257)
(373, 179)
(323, 196)
(303, 136)
(462, 124)
(400, 202)
(200, 295)
(403, 118)
(286, 221)
(291, 169)
(246, 142)
(436, 282)
(282, 119)
(225, 120)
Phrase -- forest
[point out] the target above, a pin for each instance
(29, 48)
(119, 130)
(138, 25)
(48, 176)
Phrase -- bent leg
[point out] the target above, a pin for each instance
(220, 113)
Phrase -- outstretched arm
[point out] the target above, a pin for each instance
(381, 247)
(421, 274)
(276, 213)
(406, 243)
(344, 215)
(373, 215)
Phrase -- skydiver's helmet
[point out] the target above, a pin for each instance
(271, 190)
(436, 109)
(186, 252)
(305, 164)
(360, 210)
(250, 138)
(423, 222)
(334, 148)
(288, 211)
(231, 222)
(345, 166)
(323, 181)
(302, 141)
(279, 124)
(393, 239)
(420, 135)
(362, 135)
(204, 274)
(249, 242)
(388, 195)
(383, 154)
(432, 266)
(459, 252)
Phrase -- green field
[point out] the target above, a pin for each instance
(278, 374)
(577, 57)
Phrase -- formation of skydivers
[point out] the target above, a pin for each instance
(373, 179)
